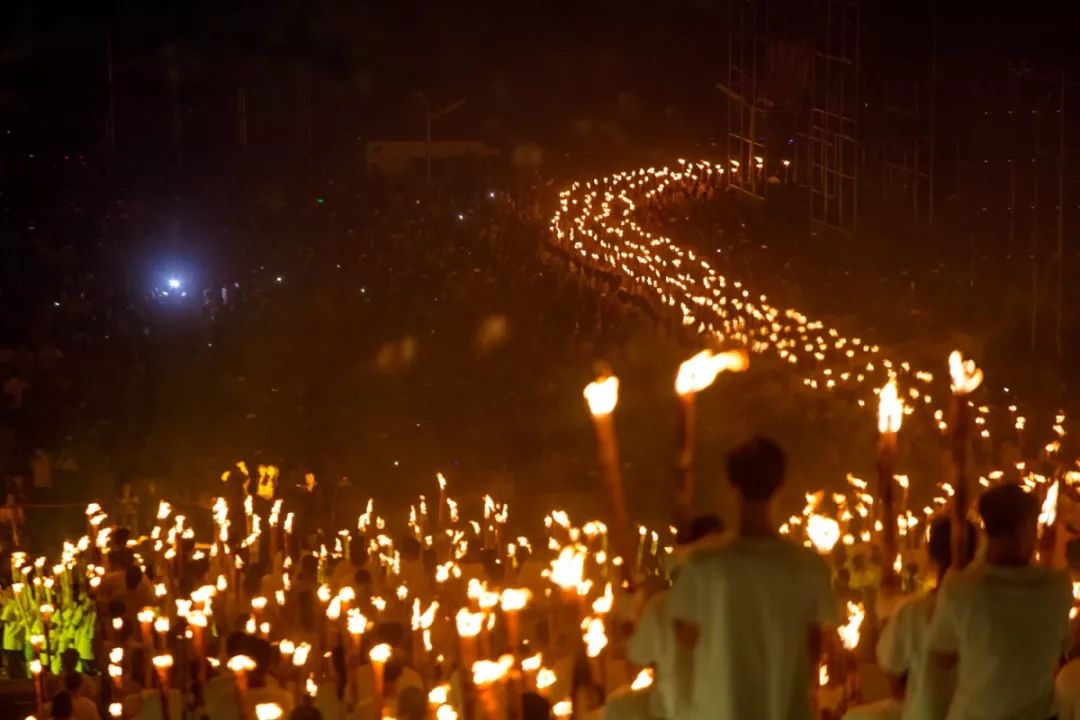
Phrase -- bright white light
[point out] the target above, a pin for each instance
(174, 283)
(460, 216)
(280, 279)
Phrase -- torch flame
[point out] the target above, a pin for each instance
(602, 396)
(963, 373)
(1048, 514)
(514, 599)
(849, 631)
(700, 371)
(824, 532)
(890, 408)
(643, 680)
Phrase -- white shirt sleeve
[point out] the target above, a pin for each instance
(894, 649)
(944, 633)
(687, 599)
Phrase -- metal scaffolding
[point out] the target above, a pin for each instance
(746, 106)
(834, 152)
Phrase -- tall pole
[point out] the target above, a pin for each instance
(1035, 240)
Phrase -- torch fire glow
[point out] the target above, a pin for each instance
(602, 396)
(696, 374)
(965, 378)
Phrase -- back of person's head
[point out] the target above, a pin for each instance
(61, 706)
(410, 548)
(309, 565)
(305, 711)
(132, 577)
(412, 704)
(698, 528)
(1005, 510)
(939, 545)
(756, 469)
(73, 681)
(69, 660)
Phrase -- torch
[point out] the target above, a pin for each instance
(602, 396)
(965, 378)
(513, 601)
(35, 671)
(241, 665)
(890, 417)
(146, 620)
(695, 375)
(380, 655)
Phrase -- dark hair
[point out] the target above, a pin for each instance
(132, 577)
(1004, 509)
(701, 526)
(72, 681)
(756, 468)
(61, 705)
(940, 543)
(69, 659)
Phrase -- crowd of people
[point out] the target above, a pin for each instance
(251, 617)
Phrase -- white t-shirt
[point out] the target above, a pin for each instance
(1009, 627)
(653, 643)
(902, 648)
(754, 602)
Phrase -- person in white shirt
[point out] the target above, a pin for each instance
(902, 653)
(653, 641)
(1003, 621)
(755, 608)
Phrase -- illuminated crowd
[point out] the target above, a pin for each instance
(245, 611)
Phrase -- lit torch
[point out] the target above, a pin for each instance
(695, 375)
(602, 397)
(965, 378)
(890, 417)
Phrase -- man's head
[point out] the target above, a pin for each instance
(940, 544)
(69, 660)
(61, 706)
(132, 577)
(1011, 518)
(756, 469)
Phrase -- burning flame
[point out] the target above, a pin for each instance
(643, 680)
(468, 623)
(890, 408)
(486, 672)
(602, 396)
(849, 631)
(514, 599)
(1048, 514)
(380, 653)
(823, 674)
(595, 637)
(965, 377)
(268, 711)
(240, 663)
(700, 371)
(824, 532)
